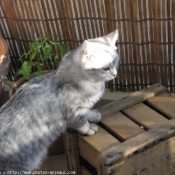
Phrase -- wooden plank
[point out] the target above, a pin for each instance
(121, 126)
(165, 103)
(154, 161)
(101, 103)
(130, 100)
(91, 146)
(160, 166)
(145, 116)
(118, 152)
(72, 154)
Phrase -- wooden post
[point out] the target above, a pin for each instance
(72, 154)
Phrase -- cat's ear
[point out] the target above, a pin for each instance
(112, 37)
(87, 50)
(85, 45)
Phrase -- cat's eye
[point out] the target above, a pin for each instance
(106, 69)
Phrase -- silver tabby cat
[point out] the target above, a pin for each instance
(47, 105)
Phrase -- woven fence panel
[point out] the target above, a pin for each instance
(146, 33)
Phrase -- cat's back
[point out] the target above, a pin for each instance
(28, 92)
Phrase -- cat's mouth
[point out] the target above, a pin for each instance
(110, 78)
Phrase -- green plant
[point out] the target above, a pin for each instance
(43, 54)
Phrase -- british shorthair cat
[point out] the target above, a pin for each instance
(44, 107)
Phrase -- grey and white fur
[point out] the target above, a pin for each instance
(46, 106)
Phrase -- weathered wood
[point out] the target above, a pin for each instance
(94, 145)
(145, 116)
(130, 100)
(147, 150)
(165, 103)
(72, 154)
(157, 160)
(121, 126)
(118, 152)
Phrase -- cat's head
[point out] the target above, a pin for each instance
(99, 59)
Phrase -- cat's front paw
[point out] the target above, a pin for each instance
(97, 116)
(94, 117)
(88, 129)
(92, 130)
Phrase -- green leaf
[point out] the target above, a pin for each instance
(39, 45)
(54, 43)
(56, 57)
(44, 39)
(47, 53)
(60, 48)
(63, 48)
(47, 49)
(25, 70)
(32, 56)
(33, 45)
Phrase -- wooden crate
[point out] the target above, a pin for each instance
(136, 136)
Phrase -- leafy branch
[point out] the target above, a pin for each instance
(43, 55)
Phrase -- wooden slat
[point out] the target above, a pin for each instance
(130, 100)
(165, 103)
(158, 160)
(173, 39)
(70, 23)
(101, 103)
(121, 126)
(110, 14)
(144, 32)
(72, 153)
(118, 152)
(103, 16)
(145, 116)
(135, 39)
(150, 36)
(128, 70)
(94, 145)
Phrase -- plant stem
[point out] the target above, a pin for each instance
(7, 83)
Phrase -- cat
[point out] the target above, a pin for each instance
(45, 106)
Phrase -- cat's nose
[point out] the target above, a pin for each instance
(115, 75)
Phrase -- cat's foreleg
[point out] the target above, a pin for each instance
(85, 123)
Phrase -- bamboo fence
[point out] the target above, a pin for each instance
(146, 33)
